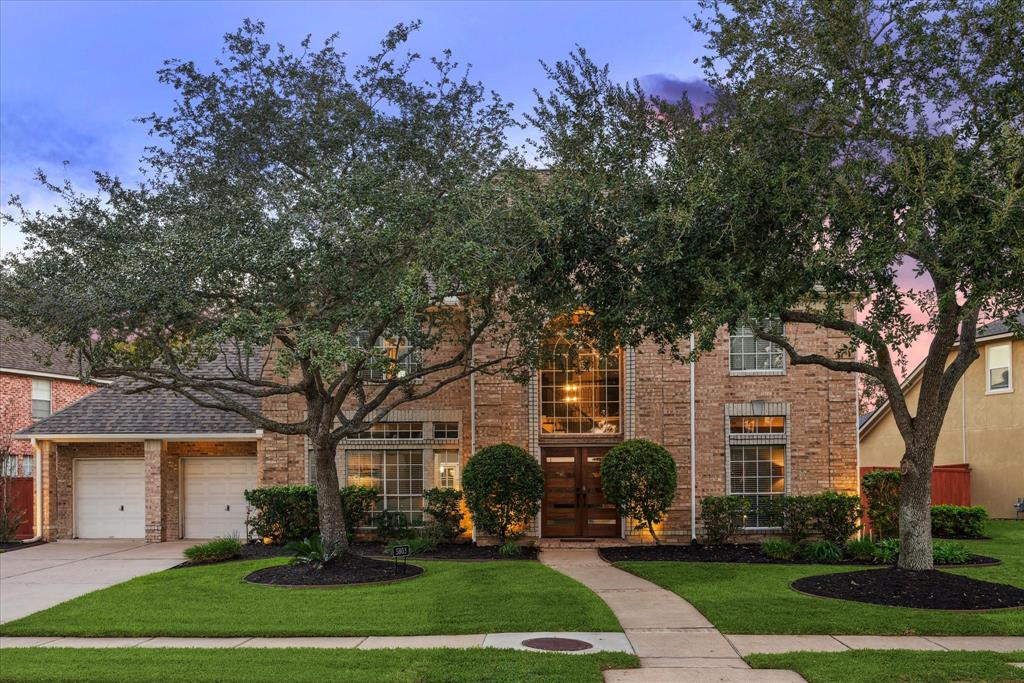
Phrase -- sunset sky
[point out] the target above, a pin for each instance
(74, 75)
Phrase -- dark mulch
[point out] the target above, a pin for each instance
(17, 545)
(731, 552)
(450, 551)
(903, 588)
(348, 569)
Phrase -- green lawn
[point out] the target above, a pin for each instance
(751, 598)
(449, 598)
(304, 666)
(896, 666)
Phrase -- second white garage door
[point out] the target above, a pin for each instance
(214, 495)
(110, 498)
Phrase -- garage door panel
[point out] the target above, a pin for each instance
(214, 492)
(110, 498)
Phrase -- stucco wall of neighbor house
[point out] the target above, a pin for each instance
(16, 403)
(990, 439)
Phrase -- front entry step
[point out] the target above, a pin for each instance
(551, 543)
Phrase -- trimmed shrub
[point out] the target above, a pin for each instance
(503, 485)
(217, 550)
(444, 507)
(510, 549)
(795, 515)
(825, 552)
(289, 513)
(958, 520)
(392, 525)
(948, 552)
(837, 516)
(886, 551)
(639, 478)
(882, 490)
(861, 549)
(723, 517)
(779, 549)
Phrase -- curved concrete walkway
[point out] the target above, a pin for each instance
(673, 640)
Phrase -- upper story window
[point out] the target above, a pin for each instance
(395, 359)
(998, 362)
(42, 403)
(580, 391)
(753, 356)
(393, 430)
(446, 430)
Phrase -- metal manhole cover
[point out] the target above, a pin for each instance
(557, 644)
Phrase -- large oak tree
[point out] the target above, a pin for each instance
(304, 228)
(849, 142)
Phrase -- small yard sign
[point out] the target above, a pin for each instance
(400, 551)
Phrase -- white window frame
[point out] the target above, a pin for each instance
(758, 409)
(989, 367)
(37, 389)
(448, 458)
(383, 488)
(739, 333)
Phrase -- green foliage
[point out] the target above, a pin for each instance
(861, 549)
(510, 548)
(882, 489)
(948, 552)
(837, 516)
(503, 486)
(639, 478)
(444, 508)
(723, 516)
(392, 524)
(417, 544)
(314, 551)
(795, 515)
(289, 513)
(217, 550)
(886, 551)
(959, 520)
(824, 552)
(779, 549)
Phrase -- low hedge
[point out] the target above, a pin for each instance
(958, 520)
(882, 490)
(289, 513)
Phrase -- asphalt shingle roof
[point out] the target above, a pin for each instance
(159, 411)
(998, 327)
(20, 350)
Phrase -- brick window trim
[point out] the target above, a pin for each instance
(757, 409)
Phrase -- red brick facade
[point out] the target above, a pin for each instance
(16, 404)
(820, 409)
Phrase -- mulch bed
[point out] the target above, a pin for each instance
(732, 552)
(903, 588)
(17, 545)
(349, 569)
(450, 551)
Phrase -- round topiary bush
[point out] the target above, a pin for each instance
(639, 478)
(503, 486)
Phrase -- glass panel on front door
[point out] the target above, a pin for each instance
(574, 504)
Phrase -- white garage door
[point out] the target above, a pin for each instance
(110, 498)
(214, 495)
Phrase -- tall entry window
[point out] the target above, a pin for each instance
(580, 391)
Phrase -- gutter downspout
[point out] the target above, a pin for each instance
(37, 507)
(693, 448)
(472, 419)
(963, 417)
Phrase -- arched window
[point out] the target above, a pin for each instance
(580, 391)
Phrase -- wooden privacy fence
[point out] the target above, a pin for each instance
(951, 485)
(22, 494)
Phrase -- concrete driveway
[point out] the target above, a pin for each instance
(33, 579)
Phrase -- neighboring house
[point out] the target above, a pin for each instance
(158, 466)
(35, 382)
(983, 427)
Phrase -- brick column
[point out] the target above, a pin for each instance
(47, 451)
(154, 452)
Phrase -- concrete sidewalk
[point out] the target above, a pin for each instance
(600, 642)
(36, 578)
(746, 645)
(673, 640)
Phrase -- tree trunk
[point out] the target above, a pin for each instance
(654, 535)
(916, 509)
(328, 497)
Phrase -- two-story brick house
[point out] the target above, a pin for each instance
(738, 421)
(35, 382)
